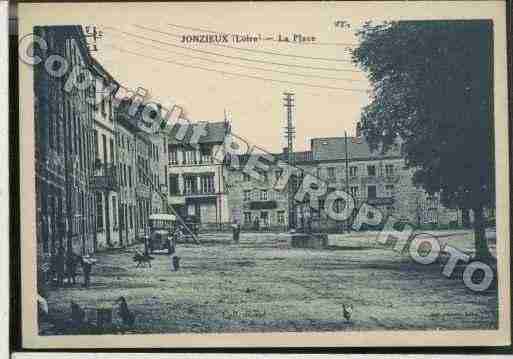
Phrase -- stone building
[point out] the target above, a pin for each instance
(370, 177)
(195, 181)
(138, 172)
(254, 202)
(106, 181)
(64, 154)
(126, 157)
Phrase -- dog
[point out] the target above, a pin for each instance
(142, 259)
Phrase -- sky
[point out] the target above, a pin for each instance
(146, 51)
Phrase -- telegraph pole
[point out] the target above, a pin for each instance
(290, 132)
(347, 173)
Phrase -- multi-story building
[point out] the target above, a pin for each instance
(195, 182)
(127, 200)
(138, 171)
(346, 164)
(106, 181)
(64, 120)
(255, 203)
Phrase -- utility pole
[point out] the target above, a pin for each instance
(290, 133)
(347, 174)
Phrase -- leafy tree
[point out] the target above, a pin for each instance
(433, 88)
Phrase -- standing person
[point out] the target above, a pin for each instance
(59, 265)
(71, 266)
(86, 267)
(257, 224)
(236, 231)
(178, 234)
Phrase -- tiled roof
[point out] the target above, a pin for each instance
(333, 148)
(302, 156)
(215, 132)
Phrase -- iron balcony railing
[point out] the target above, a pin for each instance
(105, 177)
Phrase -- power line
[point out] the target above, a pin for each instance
(246, 67)
(236, 74)
(228, 56)
(249, 50)
(217, 32)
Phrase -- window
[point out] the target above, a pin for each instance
(190, 157)
(281, 217)
(173, 185)
(264, 218)
(114, 212)
(99, 211)
(278, 173)
(319, 172)
(389, 190)
(371, 171)
(354, 191)
(109, 100)
(207, 184)
(247, 218)
(131, 217)
(172, 155)
(206, 154)
(246, 177)
(124, 175)
(129, 176)
(263, 195)
(103, 99)
(331, 173)
(95, 143)
(339, 205)
(353, 171)
(111, 149)
(247, 195)
(371, 192)
(190, 184)
(389, 170)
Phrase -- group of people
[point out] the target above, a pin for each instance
(64, 265)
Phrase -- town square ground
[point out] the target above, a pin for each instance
(263, 284)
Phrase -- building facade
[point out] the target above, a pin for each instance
(106, 182)
(194, 181)
(64, 152)
(346, 164)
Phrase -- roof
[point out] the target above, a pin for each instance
(101, 71)
(333, 148)
(215, 132)
(300, 156)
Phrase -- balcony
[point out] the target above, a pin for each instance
(143, 191)
(380, 201)
(175, 199)
(104, 178)
(391, 178)
(196, 193)
(261, 205)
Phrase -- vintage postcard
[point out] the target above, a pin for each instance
(242, 174)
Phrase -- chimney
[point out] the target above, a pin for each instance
(358, 129)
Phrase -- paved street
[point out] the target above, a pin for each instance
(262, 284)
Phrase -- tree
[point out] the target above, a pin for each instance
(433, 88)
